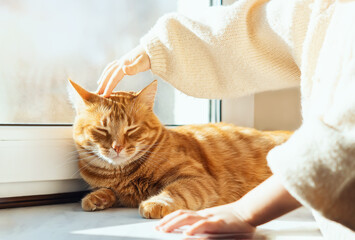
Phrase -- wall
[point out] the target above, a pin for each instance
(274, 110)
(277, 110)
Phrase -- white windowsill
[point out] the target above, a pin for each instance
(38, 160)
(69, 221)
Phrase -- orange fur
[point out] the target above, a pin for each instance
(132, 160)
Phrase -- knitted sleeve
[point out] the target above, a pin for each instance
(229, 51)
(317, 164)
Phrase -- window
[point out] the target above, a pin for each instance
(42, 42)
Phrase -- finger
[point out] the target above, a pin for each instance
(114, 80)
(106, 77)
(182, 220)
(133, 68)
(105, 70)
(169, 217)
(201, 227)
(143, 63)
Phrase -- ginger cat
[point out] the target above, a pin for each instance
(130, 159)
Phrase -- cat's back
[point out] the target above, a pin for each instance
(230, 134)
(224, 145)
(235, 156)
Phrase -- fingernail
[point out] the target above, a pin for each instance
(124, 69)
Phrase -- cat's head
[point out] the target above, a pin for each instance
(118, 129)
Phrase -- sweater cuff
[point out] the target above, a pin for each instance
(157, 53)
(316, 166)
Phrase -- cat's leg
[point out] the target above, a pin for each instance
(193, 194)
(99, 199)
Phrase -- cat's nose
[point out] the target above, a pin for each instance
(117, 148)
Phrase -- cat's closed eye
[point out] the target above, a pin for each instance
(131, 130)
(100, 133)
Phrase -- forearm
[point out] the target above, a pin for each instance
(266, 202)
(223, 52)
(320, 165)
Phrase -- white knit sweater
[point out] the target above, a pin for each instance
(259, 45)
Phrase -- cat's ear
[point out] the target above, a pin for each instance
(80, 96)
(147, 95)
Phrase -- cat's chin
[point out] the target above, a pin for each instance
(120, 161)
(115, 161)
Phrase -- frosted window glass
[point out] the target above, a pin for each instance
(42, 42)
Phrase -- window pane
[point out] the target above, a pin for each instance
(43, 42)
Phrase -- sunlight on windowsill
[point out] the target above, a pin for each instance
(68, 221)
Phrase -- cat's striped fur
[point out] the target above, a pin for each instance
(132, 160)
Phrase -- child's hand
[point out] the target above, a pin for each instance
(221, 219)
(134, 62)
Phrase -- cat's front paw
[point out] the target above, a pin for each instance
(156, 207)
(98, 200)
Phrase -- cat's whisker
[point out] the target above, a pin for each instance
(66, 162)
(81, 168)
(71, 150)
(77, 152)
(83, 158)
(74, 153)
